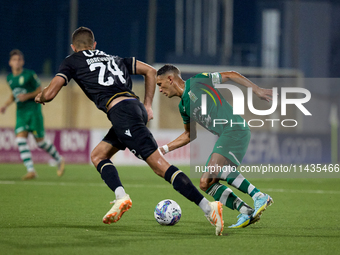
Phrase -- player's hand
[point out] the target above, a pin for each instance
(37, 99)
(22, 97)
(3, 109)
(264, 94)
(150, 112)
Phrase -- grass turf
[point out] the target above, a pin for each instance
(52, 215)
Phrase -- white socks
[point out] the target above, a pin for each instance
(256, 195)
(204, 205)
(120, 192)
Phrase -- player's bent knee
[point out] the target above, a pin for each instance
(204, 185)
(206, 182)
(96, 158)
(157, 163)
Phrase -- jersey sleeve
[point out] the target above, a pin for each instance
(130, 64)
(185, 117)
(215, 78)
(35, 80)
(65, 70)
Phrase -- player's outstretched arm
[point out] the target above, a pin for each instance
(149, 74)
(185, 138)
(50, 91)
(264, 94)
(8, 102)
(27, 96)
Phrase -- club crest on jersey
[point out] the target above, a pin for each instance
(21, 80)
(192, 96)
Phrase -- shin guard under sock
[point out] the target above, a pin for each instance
(109, 174)
(183, 184)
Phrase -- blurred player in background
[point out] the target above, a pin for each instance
(233, 140)
(106, 80)
(25, 85)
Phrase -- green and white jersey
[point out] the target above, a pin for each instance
(23, 83)
(218, 110)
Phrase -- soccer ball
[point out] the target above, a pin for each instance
(167, 212)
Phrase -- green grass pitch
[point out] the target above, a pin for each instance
(52, 215)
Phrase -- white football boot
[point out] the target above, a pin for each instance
(120, 206)
(215, 216)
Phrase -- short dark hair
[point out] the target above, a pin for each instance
(16, 52)
(82, 37)
(168, 68)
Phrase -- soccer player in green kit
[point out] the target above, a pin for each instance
(25, 85)
(233, 140)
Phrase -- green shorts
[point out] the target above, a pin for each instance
(233, 145)
(31, 121)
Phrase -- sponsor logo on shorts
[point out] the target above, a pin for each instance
(128, 133)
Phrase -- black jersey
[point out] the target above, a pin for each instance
(101, 76)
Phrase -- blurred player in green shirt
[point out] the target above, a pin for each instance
(233, 136)
(25, 85)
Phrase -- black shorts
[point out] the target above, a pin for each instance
(128, 119)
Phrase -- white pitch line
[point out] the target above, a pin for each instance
(334, 192)
(34, 183)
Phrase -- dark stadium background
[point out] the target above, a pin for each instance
(41, 30)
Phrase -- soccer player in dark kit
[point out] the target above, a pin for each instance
(106, 81)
